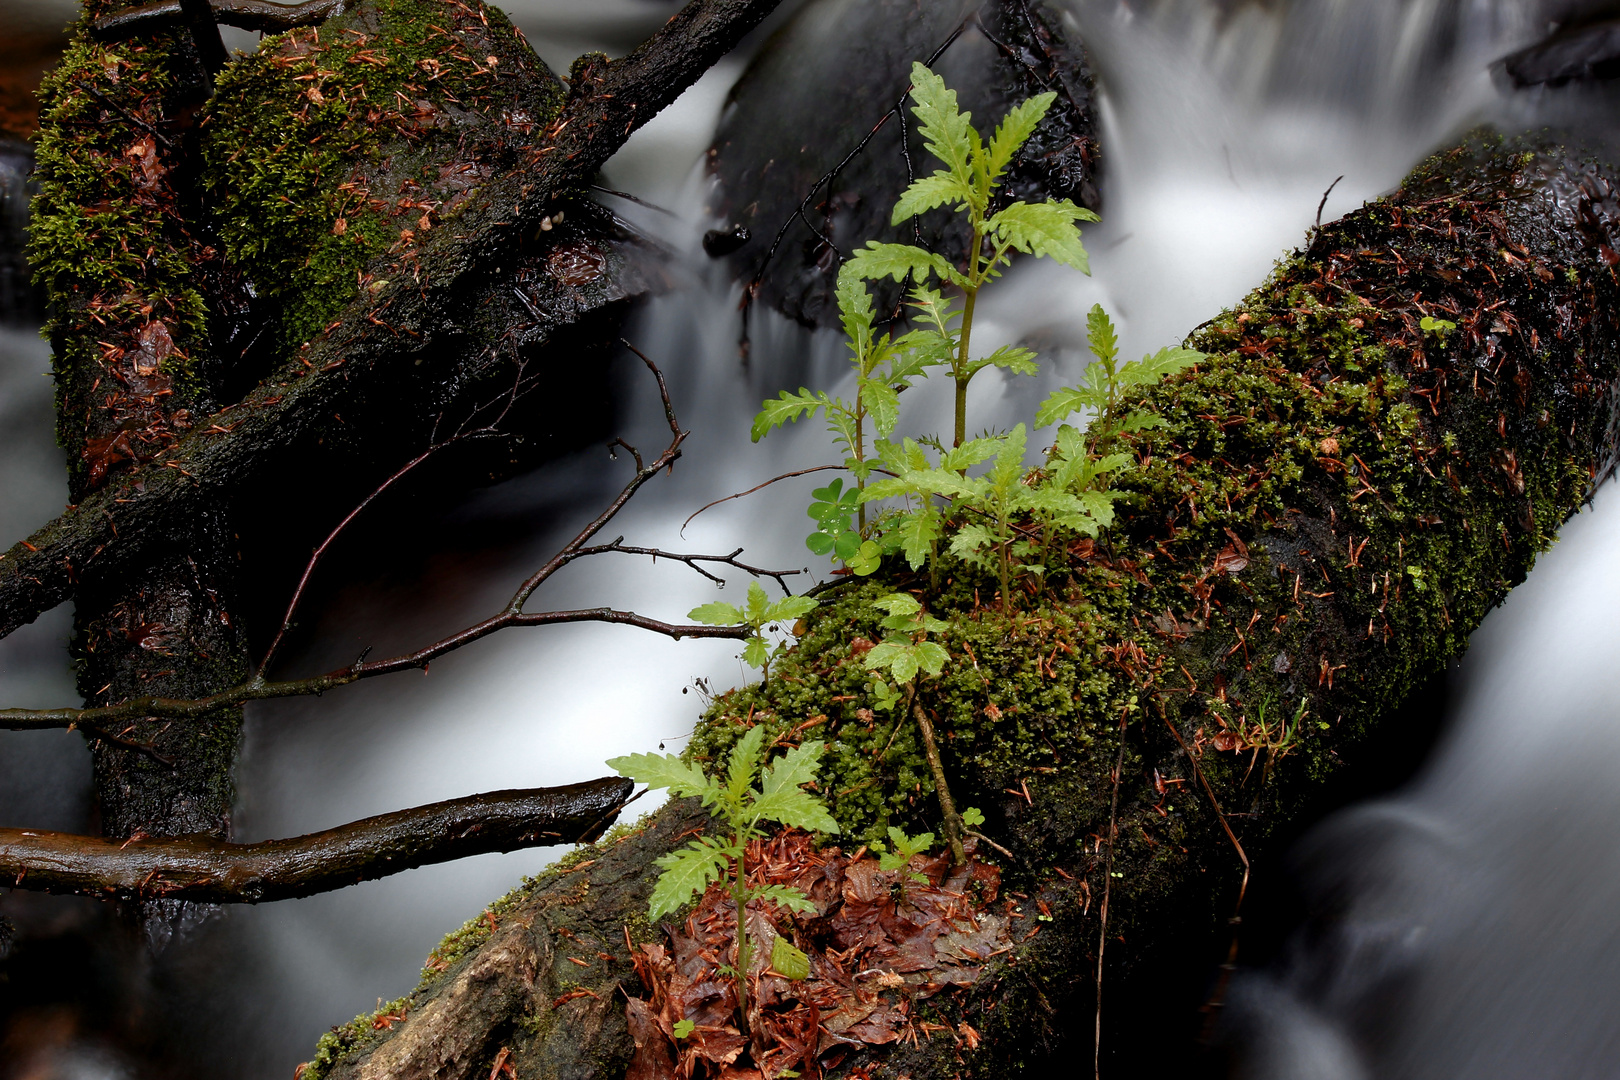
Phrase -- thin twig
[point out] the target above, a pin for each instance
(513, 614)
(627, 197)
(617, 546)
(757, 487)
(953, 820)
(1323, 204)
(461, 435)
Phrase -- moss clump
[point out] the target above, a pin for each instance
(341, 1041)
(333, 145)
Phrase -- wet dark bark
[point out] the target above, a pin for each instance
(205, 870)
(488, 305)
(1244, 572)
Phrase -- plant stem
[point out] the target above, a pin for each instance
(970, 293)
(739, 893)
(953, 820)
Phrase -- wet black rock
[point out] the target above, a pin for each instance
(20, 302)
(819, 87)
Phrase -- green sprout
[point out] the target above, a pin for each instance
(742, 809)
(757, 613)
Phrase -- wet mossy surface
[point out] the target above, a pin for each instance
(333, 145)
(1337, 498)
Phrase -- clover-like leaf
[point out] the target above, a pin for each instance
(973, 817)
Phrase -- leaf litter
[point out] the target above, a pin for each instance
(879, 942)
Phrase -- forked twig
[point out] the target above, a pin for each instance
(258, 688)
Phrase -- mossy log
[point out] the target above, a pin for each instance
(425, 334)
(1337, 498)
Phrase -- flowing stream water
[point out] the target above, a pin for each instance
(1463, 927)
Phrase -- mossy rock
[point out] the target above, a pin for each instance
(333, 145)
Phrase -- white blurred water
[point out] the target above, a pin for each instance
(1221, 135)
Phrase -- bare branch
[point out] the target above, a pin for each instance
(258, 688)
(693, 561)
(142, 510)
(757, 487)
(212, 871)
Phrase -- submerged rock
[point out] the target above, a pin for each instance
(830, 75)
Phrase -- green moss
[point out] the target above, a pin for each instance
(338, 1043)
(333, 145)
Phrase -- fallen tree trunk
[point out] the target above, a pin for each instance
(207, 870)
(1384, 436)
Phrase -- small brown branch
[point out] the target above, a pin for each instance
(206, 870)
(618, 546)
(463, 434)
(953, 820)
(259, 688)
(757, 487)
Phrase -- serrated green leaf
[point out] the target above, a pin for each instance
(796, 767)
(970, 539)
(791, 608)
(744, 762)
(946, 131)
(788, 897)
(785, 408)
(882, 404)
(897, 656)
(1101, 335)
(1167, 361)
(899, 261)
(969, 454)
(917, 532)
(718, 613)
(1017, 360)
(1045, 230)
(1139, 421)
(756, 651)
(932, 657)
(795, 809)
(663, 771)
(1014, 130)
(940, 189)
(898, 604)
(687, 872)
(757, 604)
(1062, 403)
(855, 308)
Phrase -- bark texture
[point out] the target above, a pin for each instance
(1337, 498)
(201, 869)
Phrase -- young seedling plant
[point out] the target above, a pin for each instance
(757, 613)
(742, 809)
